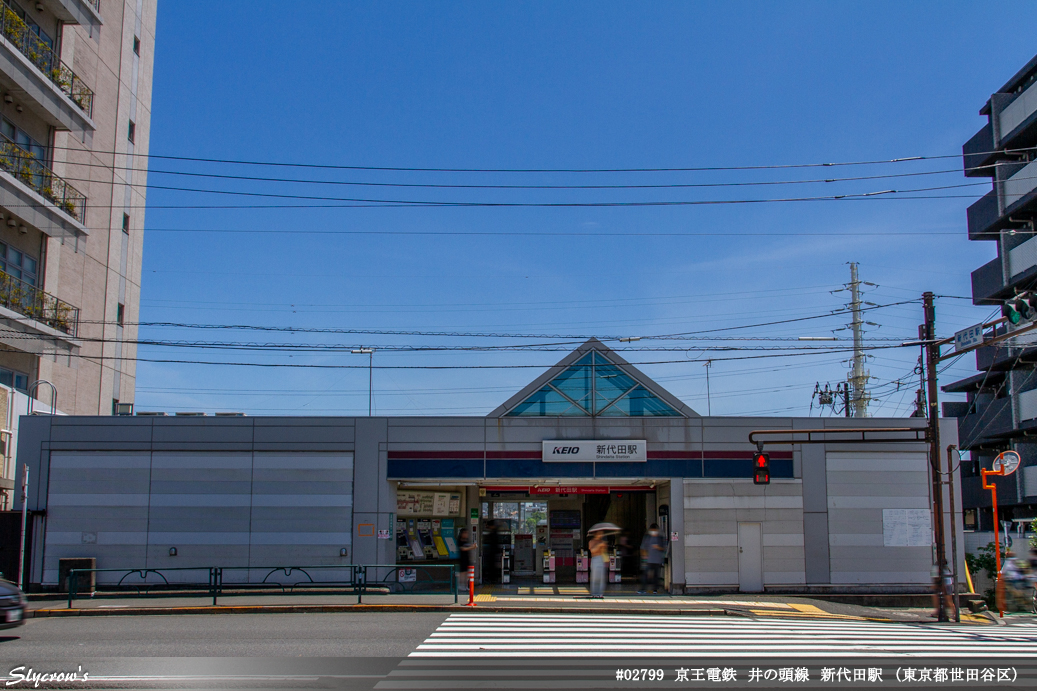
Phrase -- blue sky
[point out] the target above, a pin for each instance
(555, 86)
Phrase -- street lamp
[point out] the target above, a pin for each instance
(370, 376)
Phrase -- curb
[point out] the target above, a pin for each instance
(328, 609)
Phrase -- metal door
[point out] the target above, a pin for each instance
(750, 557)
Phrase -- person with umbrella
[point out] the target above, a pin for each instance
(599, 548)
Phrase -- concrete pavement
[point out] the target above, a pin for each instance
(530, 598)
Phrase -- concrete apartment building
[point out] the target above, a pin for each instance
(1001, 408)
(75, 98)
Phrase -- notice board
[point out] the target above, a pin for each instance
(906, 528)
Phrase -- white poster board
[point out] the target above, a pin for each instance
(906, 528)
(441, 504)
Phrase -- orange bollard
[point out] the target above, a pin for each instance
(471, 586)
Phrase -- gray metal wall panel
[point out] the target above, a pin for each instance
(815, 483)
(178, 519)
(79, 431)
(860, 485)
(313, 434)
(815, 545)
(202, 434)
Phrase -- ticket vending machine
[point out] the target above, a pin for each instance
(549, 566)
(583, 567)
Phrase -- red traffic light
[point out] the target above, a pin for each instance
(761, 469)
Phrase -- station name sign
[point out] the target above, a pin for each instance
(599, 451)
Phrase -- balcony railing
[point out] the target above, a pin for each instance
(27, 299)
(43, 56)
(30, 170)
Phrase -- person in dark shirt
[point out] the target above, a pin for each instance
(466, 563)
(653, 553)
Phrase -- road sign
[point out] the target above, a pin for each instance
(1010, 459)
(967, 338)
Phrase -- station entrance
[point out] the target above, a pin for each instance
(539, 535)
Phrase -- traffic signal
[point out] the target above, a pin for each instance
(1020, 308)
(1023, 307)
(761, 469)
(1009, 312)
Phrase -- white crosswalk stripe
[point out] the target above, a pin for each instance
(562, 635)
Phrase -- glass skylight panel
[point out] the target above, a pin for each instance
(593, 376)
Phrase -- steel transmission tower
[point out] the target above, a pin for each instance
(858, 378)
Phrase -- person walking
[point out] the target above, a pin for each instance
(466, 572)
(598, 548)
(653, 552)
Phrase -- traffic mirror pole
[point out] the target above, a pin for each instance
(998, 583)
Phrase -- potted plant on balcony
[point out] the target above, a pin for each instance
(62, 317)
(13, 25)
(6, 283)
(62, 77)
(69, 207)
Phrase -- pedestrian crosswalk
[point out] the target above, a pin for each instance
(564, 635)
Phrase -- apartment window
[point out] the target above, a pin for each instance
(126, 223)
(120, 314)
(136, 46)
(19, 137)
(133, 131)
(14, 379)
(18, 264)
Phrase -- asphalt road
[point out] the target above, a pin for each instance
(479, 650)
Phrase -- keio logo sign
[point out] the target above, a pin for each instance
(596, 451)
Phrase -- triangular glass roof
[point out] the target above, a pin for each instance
(590, 387)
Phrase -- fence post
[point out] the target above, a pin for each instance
(453, 581)
(71, 586)
(215, 582)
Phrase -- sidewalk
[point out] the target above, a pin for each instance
(534, 599)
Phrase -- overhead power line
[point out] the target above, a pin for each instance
(436, 367)
(549, 234)
(656, 169)
(431, 202)
(484, 186)
(469, 334)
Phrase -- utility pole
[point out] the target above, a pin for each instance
(859, 379)
(370, 376)
(932, 358)
(709, 407)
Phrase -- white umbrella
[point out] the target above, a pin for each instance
(604, 528)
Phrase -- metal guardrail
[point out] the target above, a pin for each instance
(30, 170)
(27, 299)
(356, 579)
(45, 59)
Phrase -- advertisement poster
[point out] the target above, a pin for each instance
(428, 504)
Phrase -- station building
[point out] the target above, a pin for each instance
(593, 439)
